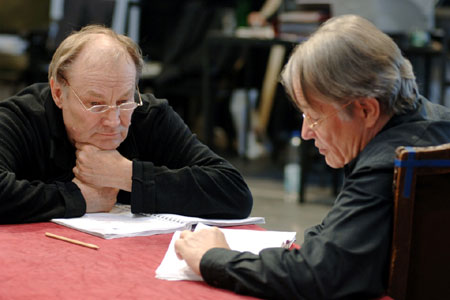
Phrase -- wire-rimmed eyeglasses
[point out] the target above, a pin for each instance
(100, 108)
(312, 124)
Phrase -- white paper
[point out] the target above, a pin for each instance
(172, 268)
(120, 222)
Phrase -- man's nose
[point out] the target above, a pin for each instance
(307, 133)
(112, 116)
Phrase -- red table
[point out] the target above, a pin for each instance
(34, 266)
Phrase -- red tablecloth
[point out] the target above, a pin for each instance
(34, 266)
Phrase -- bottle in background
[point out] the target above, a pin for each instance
(292, 169)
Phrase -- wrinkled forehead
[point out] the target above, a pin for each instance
(102, 73)
(101, 53)
(307, 99)
(106, 58)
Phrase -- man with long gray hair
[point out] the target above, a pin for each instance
(360, 101)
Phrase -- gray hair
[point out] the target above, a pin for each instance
(348, 58)
(71, 47)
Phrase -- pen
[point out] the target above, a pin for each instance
(287, 244)
(58, 237)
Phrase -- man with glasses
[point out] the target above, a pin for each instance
(360, 102)
(89, 139)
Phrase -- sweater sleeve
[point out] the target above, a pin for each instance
(28, 193)
(345, 257)
(178, 174)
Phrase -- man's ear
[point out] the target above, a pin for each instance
(370, 111)
(57, 92)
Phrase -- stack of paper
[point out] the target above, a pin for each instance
(120, 222)
(172, 268)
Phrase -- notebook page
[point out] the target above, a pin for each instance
(120, 222)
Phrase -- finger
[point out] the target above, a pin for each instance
(77, 153)
(177, 246)
(216, 229)
(91, 147)
(85, 146)
(79, 145)
(185, 234)
(79, 167)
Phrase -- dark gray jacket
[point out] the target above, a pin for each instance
(346, 256)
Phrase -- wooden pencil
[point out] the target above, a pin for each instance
(62, 238)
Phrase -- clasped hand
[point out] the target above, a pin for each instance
(100, 174)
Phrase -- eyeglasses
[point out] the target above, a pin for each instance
(97, 109)
(314, 123)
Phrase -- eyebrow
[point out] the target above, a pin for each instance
(95, 94)
(299, 106)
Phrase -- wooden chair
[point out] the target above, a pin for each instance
(420, 262)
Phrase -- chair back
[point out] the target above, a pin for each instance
(420, 261)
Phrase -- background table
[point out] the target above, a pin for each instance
(213, 40)
(34, 266)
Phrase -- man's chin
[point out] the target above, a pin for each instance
(333, 163)
(107, 145)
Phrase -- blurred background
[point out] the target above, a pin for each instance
(218, 64)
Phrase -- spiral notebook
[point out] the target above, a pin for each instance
(120, 222)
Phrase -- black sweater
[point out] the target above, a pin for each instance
(173, 172)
